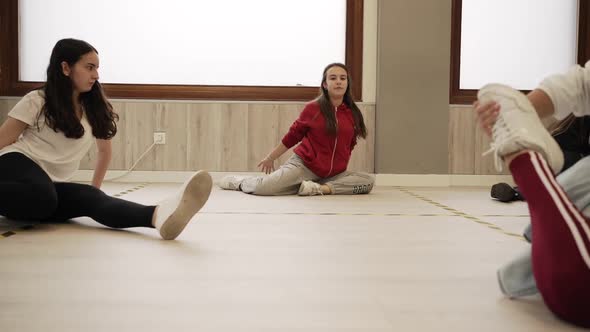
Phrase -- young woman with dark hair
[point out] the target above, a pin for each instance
(50, 130)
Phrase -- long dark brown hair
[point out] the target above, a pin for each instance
(59, 107)
(327, 109)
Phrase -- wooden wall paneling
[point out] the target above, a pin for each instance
(118, 161)
(205, 136)
(171, 118)
(288, 113)
(234, 142)
(263, 132)
(4, 109)
(462, 141)
(230, 137)
(362, 159)
(139, 128)
(5, 106)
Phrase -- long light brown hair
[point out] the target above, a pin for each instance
(327, 109)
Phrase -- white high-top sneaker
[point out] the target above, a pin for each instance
(231, 182)
(174, 213)
(518, 127)
(309, 188)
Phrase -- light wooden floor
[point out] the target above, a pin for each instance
(400, 259)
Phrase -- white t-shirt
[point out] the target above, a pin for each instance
(56, 154)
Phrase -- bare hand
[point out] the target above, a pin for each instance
(267, 165)
(486, 115)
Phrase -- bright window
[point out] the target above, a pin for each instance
(190, 42)
(516, 42)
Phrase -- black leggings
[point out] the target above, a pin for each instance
(27, 193)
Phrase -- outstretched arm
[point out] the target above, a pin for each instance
(267, 164)
(102, 162)
(295, 134)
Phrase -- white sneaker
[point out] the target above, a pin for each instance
(518, 127)
(173, 214)
(231, 182)
(309, 188)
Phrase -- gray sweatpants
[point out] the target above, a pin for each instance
(287, 179)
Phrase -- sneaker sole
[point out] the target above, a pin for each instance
(195, 195)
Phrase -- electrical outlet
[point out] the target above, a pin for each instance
(159, 137)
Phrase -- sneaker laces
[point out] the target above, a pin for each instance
(501, 133)
(317, 189)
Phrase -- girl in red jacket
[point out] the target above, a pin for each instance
(327, 128)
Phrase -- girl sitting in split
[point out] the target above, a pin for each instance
(47, 134)
(327, 128)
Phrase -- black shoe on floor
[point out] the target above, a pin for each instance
(519, 195)
(505, 193)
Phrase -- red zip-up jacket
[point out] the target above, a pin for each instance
(324, 154)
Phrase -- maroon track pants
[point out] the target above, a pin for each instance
(561, 240)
